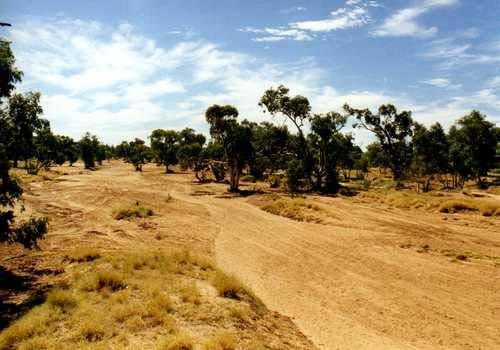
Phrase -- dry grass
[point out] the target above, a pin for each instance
(180, 341)
(104, 279)
(221, 341)
(464, 205)
(435, 201)
(298, 209)
(120, 300)
(228, 286)
(82, 254)
(190, 293)
(132, 212)
(65, 300)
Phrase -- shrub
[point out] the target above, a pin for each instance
(83, 254)
(222, 341)
(62, 299)
(249, 178)
(131, 212)
(178, 341)
(228, 286)
(191, 294)
(104, 279)
(454, 206)
(295, 209)
(92, 330)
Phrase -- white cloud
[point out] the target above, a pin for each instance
(441, 83)
(452, 52)
(355, 13)
(404, 22)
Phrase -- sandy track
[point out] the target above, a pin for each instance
(360, 283)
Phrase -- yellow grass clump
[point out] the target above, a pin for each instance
(179, 341)
(222, 341)
(132, 212)
(298, 209)
(83, 254)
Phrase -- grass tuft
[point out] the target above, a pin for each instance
(222, 341)
(104, 279)
(83, 255)
(228, 286)
(62, 299)
(298, 209)
(178, 341)
(132, 212)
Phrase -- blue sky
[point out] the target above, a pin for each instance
(122, 68)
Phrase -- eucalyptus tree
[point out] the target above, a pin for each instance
(28, 232)
(234, 138)
(326, 140)
(393, 130)
(165, 144)
(297, 110)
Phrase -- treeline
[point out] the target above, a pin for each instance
(321, 156)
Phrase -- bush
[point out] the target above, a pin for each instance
(92, 330)
(454, 206)
(178, 341)
(249, 178)
(62, 299)
(191, 294)
(222, 341)
(228, 286)
(83, 255)
(104, 279)
(134, 211)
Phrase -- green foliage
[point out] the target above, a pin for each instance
(89, 145)
(327, 143)
(9, 73)
(165, 145)
(473, 142)
(139, 154)
(18, 121)
(392, 130)
(294, 174)
(297, 110)
(234, 138)
(23, 117)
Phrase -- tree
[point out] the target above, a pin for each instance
(234, 138)
(9, 73)
(165, 144)
(46, 151)
(271, 148)
(24, 113)
(325, 138)
(297, 110)
(375, 156)
(190, 147)
(88, 149)
(69, 149)
(139, 154)
(431, 152)
(473, 141)
(392, 130)
(29, 232)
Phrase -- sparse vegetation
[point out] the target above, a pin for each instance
(178, 341)
(228, 286)
(297, 208)
(131, 212)
(83, 254)
(222, 341)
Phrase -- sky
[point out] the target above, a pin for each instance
(120, 69)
